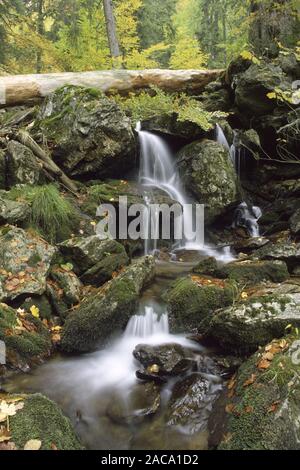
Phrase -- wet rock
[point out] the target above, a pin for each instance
(12, 212)
(208, 173)
(190, 403)
(190, 303)
(216, 98)
(90, 135)
(169, 125)
(107, 309)
(26, 338)
(42, 419)
(266, 400)
(25, 262)
(142, 401)
(244, 327)
(164, 359)
(146, 376)
(250, 244)
(93, 259)
(41, 302)
(21, 165)
(254, 272)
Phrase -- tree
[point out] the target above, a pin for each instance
(111, 31)
(272, 22)
(187, 55)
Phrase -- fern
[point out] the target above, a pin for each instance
(147, 105)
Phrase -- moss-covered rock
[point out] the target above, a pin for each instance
(94, 260)
(89, 133)
(41, 302)
(285, 251)
(253, 85)
(41, 419)
(262, 406)
(208, 173)
(25, 337)
(207, 266)
(22, 167)
(13, 212)
(25, 261)
(64, 290)
(190, 304)
(243, 327)
(168, 124)
(253, 272)
(108, 309)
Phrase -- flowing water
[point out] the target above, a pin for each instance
(245, 215)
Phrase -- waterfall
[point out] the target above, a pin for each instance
(158, 171)
(245, 216)
(149, 324)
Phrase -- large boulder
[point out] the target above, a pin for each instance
(64, 289)
(94, 260)
(22, 166)
(13, 212)
(192, 300)
(253, 272)
(261, 406)
(244, 327)
(26, 339)
(284, 251)
(253, 85)
(89, 134)
(207, 172)
(25, 261)
(107, 309)
(39, 421)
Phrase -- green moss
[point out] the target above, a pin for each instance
(253, 273)
(190, 304)
(253, 423)
(26, 344)
(42, 419)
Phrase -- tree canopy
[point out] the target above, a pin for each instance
(72, 35)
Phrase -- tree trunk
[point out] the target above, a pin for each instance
(40, 31)
(111, 31)
(26, 89)
(273, 22)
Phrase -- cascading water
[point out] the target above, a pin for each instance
(245, 216)
(158, 171)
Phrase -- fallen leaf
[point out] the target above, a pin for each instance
(7, 409)
(4, 434)
(244, 295)
(229, 408)
(33, 444)
(273, 407)
(268, 356)
(231, 383)
(35, 311)
(249, 409)
(250, 381)
(263, 364)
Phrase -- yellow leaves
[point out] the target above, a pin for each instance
(187, 55)
(35, 311)
(263, 364)
(33, 444)
(272, 95)
(203, 281)
(9, 409)
(56, 334)
(244, 295)
(247, 55)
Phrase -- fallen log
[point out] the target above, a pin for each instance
(24, 89)
(24, 138)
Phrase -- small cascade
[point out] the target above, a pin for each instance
(245, 216)
(158, 171)
(220, 137)
(149, 324)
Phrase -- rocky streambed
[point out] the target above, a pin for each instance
(105, 348)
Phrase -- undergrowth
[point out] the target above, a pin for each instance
(147, 105)
(52, 215)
